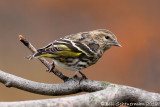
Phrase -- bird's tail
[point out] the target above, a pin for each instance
(40, 53)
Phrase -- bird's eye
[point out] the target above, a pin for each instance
(107, 37)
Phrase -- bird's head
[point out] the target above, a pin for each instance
(105, 38)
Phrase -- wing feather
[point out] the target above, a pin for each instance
(65, 48)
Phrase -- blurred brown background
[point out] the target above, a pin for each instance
(136, 23)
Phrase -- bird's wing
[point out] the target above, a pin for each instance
(57, 49)
(64, 48)
(70, 46)
(73, 46)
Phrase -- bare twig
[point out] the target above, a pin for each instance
(45, 62)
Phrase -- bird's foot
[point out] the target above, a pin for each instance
(82, 78)
(51, 67)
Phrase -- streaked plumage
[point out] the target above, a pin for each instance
(78, 51)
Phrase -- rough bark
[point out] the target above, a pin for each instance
(102, 93)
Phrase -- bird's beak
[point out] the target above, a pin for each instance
(116, 43)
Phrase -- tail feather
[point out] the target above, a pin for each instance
(30, 57)
(33, 56)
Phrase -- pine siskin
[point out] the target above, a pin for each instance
(78, 51)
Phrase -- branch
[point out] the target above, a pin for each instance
(111, 95)
(71, 86)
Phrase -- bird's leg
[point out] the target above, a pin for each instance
(51, 67)
(83, 76)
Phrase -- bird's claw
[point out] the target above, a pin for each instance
(51, 67)
(83, 77)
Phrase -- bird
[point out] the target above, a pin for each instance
(78, 51)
